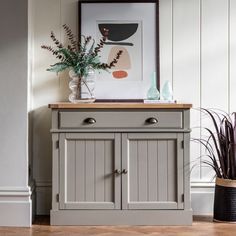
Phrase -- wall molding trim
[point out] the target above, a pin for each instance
(202, 197)
(33, 198)
(16, 204)
(15, 191)
(202, 184)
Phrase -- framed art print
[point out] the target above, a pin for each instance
(133, 27)
(127, 37)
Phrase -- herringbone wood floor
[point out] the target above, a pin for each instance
(201, 226)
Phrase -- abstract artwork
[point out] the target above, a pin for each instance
(133, 27)
(125, 36)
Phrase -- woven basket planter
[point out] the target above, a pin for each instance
(225, 201)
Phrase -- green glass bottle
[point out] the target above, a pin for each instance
(153, 93)
(166, 91)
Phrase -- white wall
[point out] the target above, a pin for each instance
(15, 203)
(197, 53)
(46, 87)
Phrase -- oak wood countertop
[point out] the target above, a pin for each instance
(122, 105)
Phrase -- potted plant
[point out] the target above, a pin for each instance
(220, 149)
(82, 59)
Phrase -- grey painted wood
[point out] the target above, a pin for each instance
(142, 170)
(99, 171)
(180, 171)
(171, 170)
(154, 205)
(151, 182)
(124, 217)
(125, 178)
(117, 178)
(54, 119)
(87, 166)
(120, 130)
(186, 150)
(162, 169)
(55, 171)
(109, 177)
(133, 171)
(158, 170)
(170, 119)
(88, 205)
(186, 118)
(187, 202)
(152, 170)
(70, 172)
(90, 171)
(62, 171)
(80, 171)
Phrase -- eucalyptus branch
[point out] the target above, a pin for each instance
(71, 37)
(54, 39)
(79, 56)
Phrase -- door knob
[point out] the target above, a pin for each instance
(124, 171)
(118, 172)
(90, 121)
(152, 120)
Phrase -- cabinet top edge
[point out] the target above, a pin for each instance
(68, 105)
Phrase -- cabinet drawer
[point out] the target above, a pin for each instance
(146, 120)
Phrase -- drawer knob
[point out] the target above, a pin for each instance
(125, 171)
(151, 120)
(118, 172)
(90, 121)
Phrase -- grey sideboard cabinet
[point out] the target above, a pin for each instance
(120, 164)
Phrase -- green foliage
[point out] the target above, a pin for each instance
(79, 56)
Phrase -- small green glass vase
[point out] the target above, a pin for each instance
(153, 93)
(166, 92)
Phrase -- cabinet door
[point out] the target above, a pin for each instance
(87, 165)
(154, 165)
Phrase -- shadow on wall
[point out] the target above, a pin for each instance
(46, 87)
(49, 87)
(52, 89)
(40, 155)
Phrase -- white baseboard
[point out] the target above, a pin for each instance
(33, 198)
(202, 198)
(15, 206)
